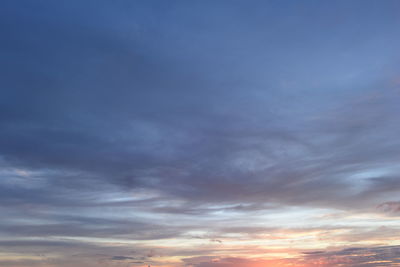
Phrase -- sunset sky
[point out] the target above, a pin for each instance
(199, 133)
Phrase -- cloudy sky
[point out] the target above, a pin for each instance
(215, 133)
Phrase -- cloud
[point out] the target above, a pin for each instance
(369, 256)
(392, 206)
(66, 253)
(210, 139)
(121, 258)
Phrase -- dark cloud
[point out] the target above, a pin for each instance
(374, 256)
(392, 206)
(121, 258)
(89, 104)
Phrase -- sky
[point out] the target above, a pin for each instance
(224, 133)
